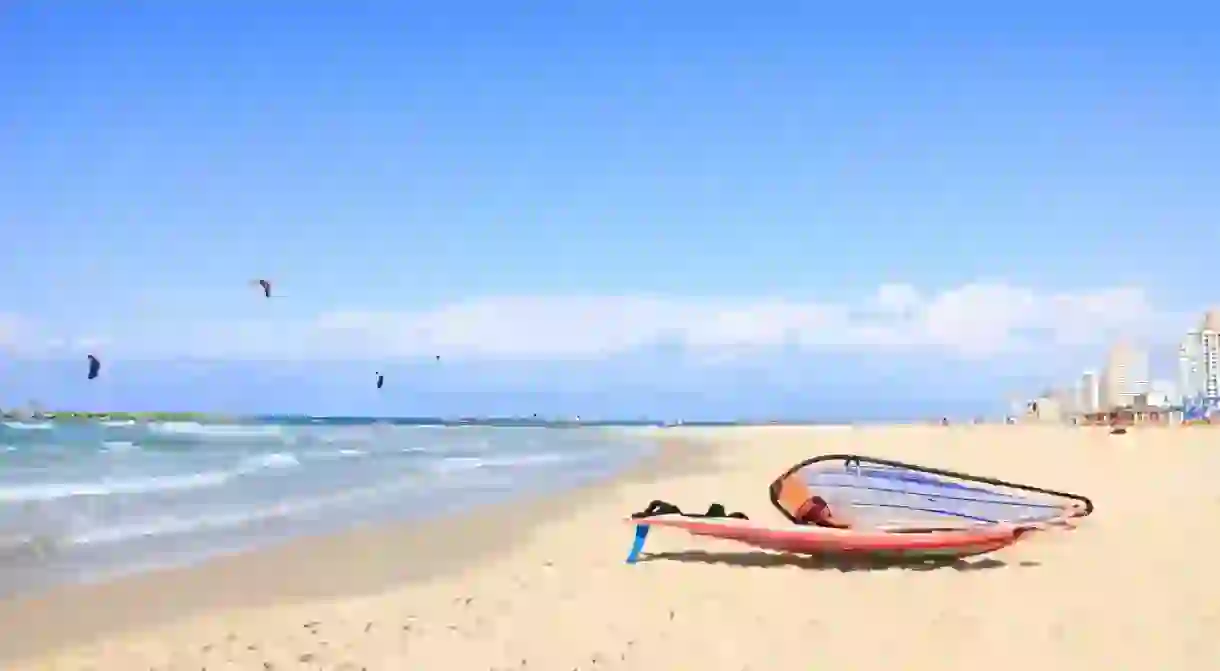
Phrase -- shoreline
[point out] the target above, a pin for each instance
(94, 504)
(370, 559)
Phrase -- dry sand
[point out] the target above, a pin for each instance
(542, 584)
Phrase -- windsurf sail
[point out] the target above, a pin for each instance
(851, 505)
(864, 492)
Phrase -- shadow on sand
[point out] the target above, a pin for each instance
(768, 560)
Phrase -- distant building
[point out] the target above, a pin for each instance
(1199, 360)
(1188, 369)
(1089, 393)
(1125, 376)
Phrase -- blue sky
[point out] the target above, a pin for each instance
(621, 207)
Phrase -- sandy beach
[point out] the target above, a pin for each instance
(541, 584)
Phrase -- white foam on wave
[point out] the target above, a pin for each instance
(528, 459)
(453, 464)
(234, 518)
(269, 460)
(173, 525)
(117, 446)
(30, 426)
(333, 455)
(147, 485)
(216, 430)
(458, 464)
(63, 490)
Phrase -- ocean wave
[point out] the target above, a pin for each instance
(344, 453)
(528, 459)
(454, 464)
(86, 495)
(214, 520)
(53, 491)
(269, 460)
(115, 446)
(336, 454)
(231, 431)
(30, 426)
(458, 464)
(24, 546)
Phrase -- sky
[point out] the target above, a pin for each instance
(600, 208)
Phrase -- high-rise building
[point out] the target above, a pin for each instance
(1199, 359)
(1188, 368)
(1125, 376)
(1089, 393)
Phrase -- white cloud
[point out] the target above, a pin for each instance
(975, 320)
(25, 337)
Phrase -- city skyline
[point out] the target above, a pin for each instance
(1126, 377)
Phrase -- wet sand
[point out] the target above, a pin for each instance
(542, 585)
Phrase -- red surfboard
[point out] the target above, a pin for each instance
(812, 540)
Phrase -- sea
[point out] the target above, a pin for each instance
(89, 501)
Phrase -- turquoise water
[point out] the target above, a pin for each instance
(86, 501)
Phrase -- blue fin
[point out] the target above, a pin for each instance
(641, 534)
